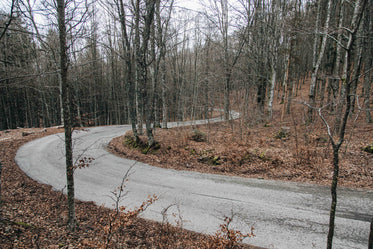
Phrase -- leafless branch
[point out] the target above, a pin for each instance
(10, 19)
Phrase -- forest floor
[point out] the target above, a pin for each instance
(33, 215)
(287, 150)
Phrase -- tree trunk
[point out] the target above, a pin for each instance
(370, 244)
(271, 91)
(61, 99)
(356, 70)
(226, 95)
(1, 168)
(368, 29)
(131, 92)
(319, 55)
(206, 80)
(355, 23)
(336, 67)
(333, 191)
(224, 27)
(66, 113)
(142, 69)
(164, 97)
(138, 86)
(347, 82)
(322, 91)
(286, 82)
(161, 40)
(290, 94)
(367, 82)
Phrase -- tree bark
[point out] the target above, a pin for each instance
(356, 73)
(367, 89)
(368, 29)
(142, 68)
(370, 244)
(138, 86)
(359, 6)
(1, 168)
(288, 84)
(161, 40)
(66, 113)
(319, 55)
(224, 26)
(355, 23)
(336, 67)
(206, 81)
(271, 91)
(131, 92)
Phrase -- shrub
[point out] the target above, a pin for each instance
(369, 148)
(198, 136)
(227, 237)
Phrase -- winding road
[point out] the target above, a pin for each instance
(284, 214)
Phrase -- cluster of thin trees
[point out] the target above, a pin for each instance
(83, 62)
(153, 61)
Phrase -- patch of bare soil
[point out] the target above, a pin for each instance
(32, 215)
(284, 150)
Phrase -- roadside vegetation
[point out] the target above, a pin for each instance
(33, 215)
(287, 149)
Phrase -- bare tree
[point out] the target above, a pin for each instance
(347, 81)
(318, 54)
(66, 111)
(162, 32)
(66, 100)
(368, 60)
(129, 72)
(276, 26)
(334, 81)
(221, 20)
(142, 64)
(11, 17)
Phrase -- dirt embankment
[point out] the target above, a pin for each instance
(282, 150)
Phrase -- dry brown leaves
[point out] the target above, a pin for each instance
(240, 149)
(32, 215)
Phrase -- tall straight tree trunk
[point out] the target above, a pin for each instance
(368, 79)
(273, 48)
(370, 243)
(319, 55)
(335, 80)
(287, 82)
(131, 89)
(138, 86)
(61, 99)
(355, 22)
(322, 91)
(155, 76)
(161, 40)
(66, 113)
(224, 21)
(271, 91)
(142, 68)
(356, 72)
(367, 89)
(206, 80)
(0, 188)
(164, 98)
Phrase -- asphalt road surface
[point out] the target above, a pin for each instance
(284, 215)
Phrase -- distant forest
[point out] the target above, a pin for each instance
(157, 61)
